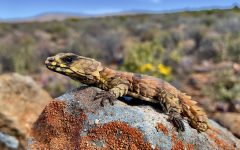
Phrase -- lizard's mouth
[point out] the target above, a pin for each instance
(57, 67)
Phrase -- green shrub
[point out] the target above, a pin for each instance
(225, 87)
(146, 58)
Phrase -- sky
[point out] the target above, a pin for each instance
(10, 9)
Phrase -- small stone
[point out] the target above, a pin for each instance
(96, 121)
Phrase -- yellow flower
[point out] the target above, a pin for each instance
(146, 67)
(164, 70)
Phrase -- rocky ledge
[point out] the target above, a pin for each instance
(75, 121)
(21, 102)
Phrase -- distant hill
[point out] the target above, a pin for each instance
(60, 16)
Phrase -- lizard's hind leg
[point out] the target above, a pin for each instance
(176, 119)
(163, 105)
(170, 105)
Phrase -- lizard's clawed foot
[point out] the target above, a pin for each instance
(176, 118)
(105, 96)
(178, 123)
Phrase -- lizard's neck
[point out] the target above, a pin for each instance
(105, 75)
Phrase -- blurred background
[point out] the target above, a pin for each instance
(193, 45)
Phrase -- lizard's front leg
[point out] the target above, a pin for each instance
(117, 88)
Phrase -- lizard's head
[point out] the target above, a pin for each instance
(74, 66)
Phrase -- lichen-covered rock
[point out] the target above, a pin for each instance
(21, 101)
(75, 121)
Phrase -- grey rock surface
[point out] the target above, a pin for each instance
(9, 141)
(77, 121)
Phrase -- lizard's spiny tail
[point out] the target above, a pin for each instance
(197, 116)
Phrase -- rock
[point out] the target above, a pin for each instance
(205, 66)
(9, 141)
(75, 121)
(229, 120)
(234, 105)
(21, 101)
(222, 106)
(186, 65)
(236, 68)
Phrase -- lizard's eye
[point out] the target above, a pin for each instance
(68, 60)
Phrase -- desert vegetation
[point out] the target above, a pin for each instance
(169, 46)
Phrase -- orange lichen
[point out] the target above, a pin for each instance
(190, 146)
(218, 131)
(56, 128)
(161, 127)
(220, 143)
(114, 135)
(179, 144)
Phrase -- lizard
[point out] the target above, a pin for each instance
(115, 84)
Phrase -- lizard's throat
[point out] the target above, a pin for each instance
(84, 79)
